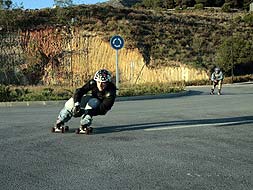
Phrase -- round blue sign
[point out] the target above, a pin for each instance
(117, 42)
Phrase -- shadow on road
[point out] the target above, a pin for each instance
(161, 96)
(220, 122)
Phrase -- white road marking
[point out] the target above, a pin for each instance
(197, 125)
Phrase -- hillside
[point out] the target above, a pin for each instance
(203, 39)
(227, 5)
(122, 3)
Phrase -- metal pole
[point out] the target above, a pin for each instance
(117, 70)
(232, 69)
(232, 52)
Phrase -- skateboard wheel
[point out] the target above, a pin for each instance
(66, 128)
(52, 129)
(78, 131)
(91, 129)
(88, 130)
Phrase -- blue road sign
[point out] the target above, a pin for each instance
(117, 42)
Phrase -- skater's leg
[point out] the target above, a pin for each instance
(66, 113)
(219, 87)
(86, 119)
(213, 87)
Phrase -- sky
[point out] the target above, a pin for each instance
(38, 4)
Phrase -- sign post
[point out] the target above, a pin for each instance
(117, 42)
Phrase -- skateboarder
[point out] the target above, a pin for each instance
(217, 78)
(101, 100)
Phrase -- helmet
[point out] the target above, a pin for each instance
(217, 69)
(102, 76)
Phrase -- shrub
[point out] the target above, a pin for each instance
(47, 92)
(149, 88)
(5, 93)
(248, 18)
(199, 6)
(226, 7)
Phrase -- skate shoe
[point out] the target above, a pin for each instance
(59, 127)
(84, 129)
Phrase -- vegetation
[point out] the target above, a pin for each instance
(63, 3)
(150, 89)
(37, 93)
(203, 38)
(170, 4)
(41, 93)
(32, 93)
(5, 4)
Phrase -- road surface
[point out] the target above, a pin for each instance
(197, 141)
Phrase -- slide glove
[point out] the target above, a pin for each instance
(76, 110)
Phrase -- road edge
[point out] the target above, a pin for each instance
(118, 99)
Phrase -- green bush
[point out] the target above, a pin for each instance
(248, 18)
(64, 94)
(18, 94)
(199, 6)
(150, 89)
(5, 93)
(47, 92)
(226, 7)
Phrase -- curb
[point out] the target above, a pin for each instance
(118, 99)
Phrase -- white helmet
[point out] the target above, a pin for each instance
(102, 76)
(217, 69)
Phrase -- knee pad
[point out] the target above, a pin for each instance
(86, 120)
(65, 115)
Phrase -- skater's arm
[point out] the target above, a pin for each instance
(220, 77)
(83, 90)
(212, 77)
(105, 106)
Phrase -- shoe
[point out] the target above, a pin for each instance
(58, 127)
(84, 129)
(59, 124)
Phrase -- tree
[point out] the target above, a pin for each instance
(234, 51)
(246, 4)
(63, 3)
(169, 4)
(206, 3)
(5, 4)
(218, 3)
(235, 3)
(187, 3)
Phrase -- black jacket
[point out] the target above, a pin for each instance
(107, 97)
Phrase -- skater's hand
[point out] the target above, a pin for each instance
(76, 110)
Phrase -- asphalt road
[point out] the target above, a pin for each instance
(195, 142)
